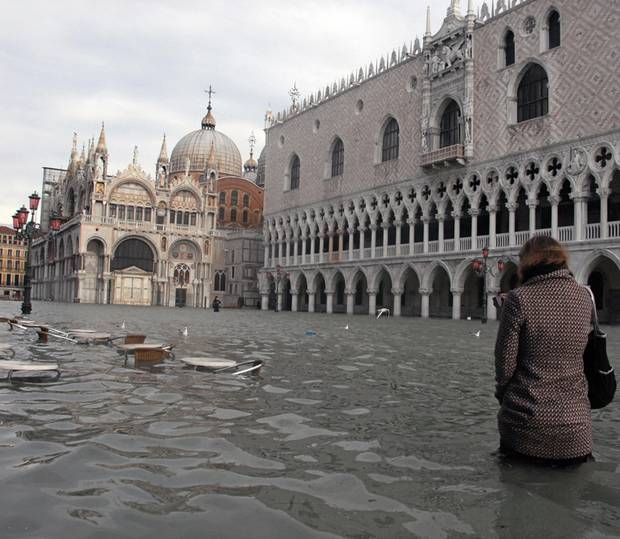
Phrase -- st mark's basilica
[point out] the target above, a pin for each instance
(131, 238)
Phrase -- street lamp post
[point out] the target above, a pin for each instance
(482, 268)
(26, 230)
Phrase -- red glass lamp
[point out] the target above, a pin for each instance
(16, 222)
(34, 201)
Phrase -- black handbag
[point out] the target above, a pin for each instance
(599, 373)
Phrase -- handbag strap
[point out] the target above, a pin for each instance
(597, 329)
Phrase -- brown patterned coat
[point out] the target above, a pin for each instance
(541, 385)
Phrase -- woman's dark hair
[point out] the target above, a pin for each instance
(541, 255)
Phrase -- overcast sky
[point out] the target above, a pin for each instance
(142, 67)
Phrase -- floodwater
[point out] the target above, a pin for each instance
(383, 430)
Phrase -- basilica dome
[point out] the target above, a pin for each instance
(196, 146)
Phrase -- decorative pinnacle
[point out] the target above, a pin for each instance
(208, 122)
(428, 21)
(101, 145)
(252, 141)
(294, 93)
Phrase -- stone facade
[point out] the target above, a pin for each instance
(403, 232)
(12, 264)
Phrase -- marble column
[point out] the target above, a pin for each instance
(457, 230)
(491, 310)
(329, 308)
(604, 215)
(425, 220)
(322, 247)
(440, 220)
(311, 301)
(373, 240)
(350, 301)
(456, 303)
(330, 245)
(532, 208)
(554, 201)
(304, 239)
(425, 296)
(397, 294)
(340, 244)
(474, 212)
(296, 250)
(372, 302)
(385, 226)
(351, 242)
(511, 224)
(362, 232)
(273, 253)
(399, 226)
(264, 301)
(288, 251)
(492, 227)
(279, 296)
(312, 247)
(411, 223)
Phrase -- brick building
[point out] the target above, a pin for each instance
(12, 264)
(382, 188)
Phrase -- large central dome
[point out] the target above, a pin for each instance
(196, 146)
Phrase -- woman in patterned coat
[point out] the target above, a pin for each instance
(541, 386)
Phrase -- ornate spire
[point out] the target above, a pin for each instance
(428, 21)
(83, 154)
(208, 122)
(74, 152)
(470, 8)
(252, 142)
(163, 153)
(101, 145)
(134, 161)
(455, 8)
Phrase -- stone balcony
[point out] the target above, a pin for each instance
(448, 156)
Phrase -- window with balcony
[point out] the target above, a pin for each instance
(450, 125)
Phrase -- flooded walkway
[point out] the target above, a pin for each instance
(383, 430)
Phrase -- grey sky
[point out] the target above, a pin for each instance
(141, 66)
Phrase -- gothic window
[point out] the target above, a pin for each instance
(338, 158)
(186, 218)
(234, 198)
(147, 214)
(223, 197)
(509, 48)
(246, 200)
(130, 213)
(220, 213)
(121, 213)
(139, 213)
(390, 141)
(112, 210)
(172, 214)
(233, 215)
(295, 169)
(245, 217)
(216, 283)
(222, 282)
(533, 94)
(181, 275)
(192, 220)
(450, 126)
(553, 22)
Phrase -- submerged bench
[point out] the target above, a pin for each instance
(29, 367)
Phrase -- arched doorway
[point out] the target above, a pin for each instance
(302, 291)
(385, 298)
(320, 297)
(411, 304)
(604, 280)
(360, 296)
(440, 300)
(132, 266)
(93, 288)
(340, 300)
(473, 298)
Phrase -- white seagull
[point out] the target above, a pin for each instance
(476, 334)
(384, 310)
(123, 325)
(346, 327)
(184, 332)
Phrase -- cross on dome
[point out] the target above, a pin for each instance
(208, 122)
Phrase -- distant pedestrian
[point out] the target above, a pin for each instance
(541, 386)
(216, 304)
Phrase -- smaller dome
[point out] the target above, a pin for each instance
(250, 164)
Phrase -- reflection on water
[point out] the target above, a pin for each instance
(383, 430)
